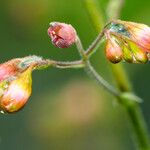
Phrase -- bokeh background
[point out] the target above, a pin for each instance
(67, 111)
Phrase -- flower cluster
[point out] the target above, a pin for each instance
(127, 41)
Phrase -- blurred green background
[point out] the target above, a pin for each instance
(67, 111)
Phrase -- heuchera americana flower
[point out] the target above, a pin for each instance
(133, 39)
(62, 35)
(139, 33)
(113, 51)
(16, 82)
(16, 92)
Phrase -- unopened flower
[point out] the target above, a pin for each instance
(15, 66)
(127, 53)
(16, 92)
(62, 35)
(16, 82)
(9, 69)
(113, 51)
(134, 54)
(138, 33)
(133, 38)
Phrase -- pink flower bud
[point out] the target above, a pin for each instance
(9, 69)
(139, 33)
(113, 51)
(16, 66)
(15, 82)
(136, 32)
(62, 35)
(15, 93)
(134, 39)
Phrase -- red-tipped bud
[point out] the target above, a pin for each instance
(62, 35)
(9, 69)
(136, 32)
(113, 51)
(139, 33)
(16, 82)
(16, 66)
(15, 93)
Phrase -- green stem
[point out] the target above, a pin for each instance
(114, 8)
(121, 77)
(139, 127)
(138, 122)
(95, 44)
(131, 106)
(60, 64)
(94, 12)
(80, 48)
(69, 64)
(92, 72)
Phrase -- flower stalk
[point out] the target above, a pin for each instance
(89, 68)
(92, 47)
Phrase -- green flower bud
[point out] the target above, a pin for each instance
(140, 56)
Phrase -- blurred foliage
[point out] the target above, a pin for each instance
(67, 111)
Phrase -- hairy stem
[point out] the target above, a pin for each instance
(93, 46)
(61, 64)
(92, 72)
(80, 48)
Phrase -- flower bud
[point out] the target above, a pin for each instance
(18, 65)
(127, 54)
(139, 33)
(136, 32)
(139, 55)
(15, 93)
(113, 51)
(134, 54)
(9, 69)
(62, 35)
